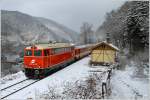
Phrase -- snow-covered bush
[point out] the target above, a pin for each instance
(51, 94)
(82, 89)
(89, 88)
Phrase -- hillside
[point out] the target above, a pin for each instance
(19, 29)
(60, 30)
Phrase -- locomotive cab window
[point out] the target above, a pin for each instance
(38, 53)
(28, 53)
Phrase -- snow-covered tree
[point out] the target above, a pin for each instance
(129, 25)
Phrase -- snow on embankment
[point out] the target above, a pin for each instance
(72, 73)
(126, 85)
(12, 79)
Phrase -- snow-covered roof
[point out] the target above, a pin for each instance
(109, 44)
(83, 46)
(50, 45)
(114, 47)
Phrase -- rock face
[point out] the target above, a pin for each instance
(19, 29)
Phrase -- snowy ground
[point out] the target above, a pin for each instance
(72, 73)
(125, 85)
(12, 79)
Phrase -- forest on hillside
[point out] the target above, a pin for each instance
(128, 27)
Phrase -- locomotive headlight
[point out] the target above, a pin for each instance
(32, 61)
(36, 72)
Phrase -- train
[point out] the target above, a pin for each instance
(42, 59)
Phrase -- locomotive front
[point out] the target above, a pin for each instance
(34, 62)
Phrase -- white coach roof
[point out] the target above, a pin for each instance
(50, 45)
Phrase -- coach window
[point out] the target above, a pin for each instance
(68, 49)
(37, 52)
(57, 50)
(64, 49)
(28, 53)
(71, 48)
(52, 52)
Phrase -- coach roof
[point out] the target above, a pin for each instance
(50, 45)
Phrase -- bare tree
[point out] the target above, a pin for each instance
(87, 33)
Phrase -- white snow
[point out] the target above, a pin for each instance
(111, 45)
(12, 79)
(126, 86)
(114, 46)
(72, 73)
(16, 87)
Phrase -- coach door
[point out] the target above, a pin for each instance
(46, 57)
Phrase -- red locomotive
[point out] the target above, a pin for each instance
(41, 59)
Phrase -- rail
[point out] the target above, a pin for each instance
(16, 90)
(13, 85)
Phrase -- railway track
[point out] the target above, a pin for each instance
(13, 84)
(7, 91)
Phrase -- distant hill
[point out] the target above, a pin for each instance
(18, 29)
(59, 29)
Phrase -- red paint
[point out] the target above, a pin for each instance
(53, 58)
(47, 61)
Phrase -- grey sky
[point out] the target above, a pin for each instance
(71, 13)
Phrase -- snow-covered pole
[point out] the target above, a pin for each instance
(106, 82)
(104, 87)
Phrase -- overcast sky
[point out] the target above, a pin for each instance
(71, 13)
